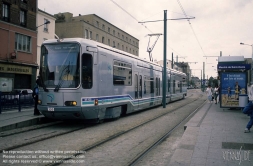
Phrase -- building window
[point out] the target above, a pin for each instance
(103, 27)
(97, 37)
(122, 73)
(118, 46)
(109, 42)
(23, 43)
(97, 24)
(122, 37)
(103, 39)
(113, 32)
(24, 1)
(109, 30)
(126, 49)
(113, 44)
(45, 25)
(123, 47)
(118, 35)
(86, 35)
(6, 12)
(90, 34)
(126, 39)
(22, 18)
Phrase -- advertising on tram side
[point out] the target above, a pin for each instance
(232, 85)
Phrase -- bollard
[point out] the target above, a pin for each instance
(19, 103)
(0, 102)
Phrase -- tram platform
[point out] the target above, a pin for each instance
(215, 136)
(13, 119)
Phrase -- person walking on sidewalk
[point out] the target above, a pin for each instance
(35, 97)
(216, 93)
(248, 109)
(209, 93)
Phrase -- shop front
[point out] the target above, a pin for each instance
(16, 76)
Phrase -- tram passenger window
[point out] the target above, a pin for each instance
(87, 71)
(168, 85)
(122, 73)
(152, 85)
(148, 85)
(145, 91)
(174, 86)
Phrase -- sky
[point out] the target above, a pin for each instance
(218, 26)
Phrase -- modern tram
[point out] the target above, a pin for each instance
(86, 80)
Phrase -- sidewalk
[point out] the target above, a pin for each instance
(13, 119)
(214, 137)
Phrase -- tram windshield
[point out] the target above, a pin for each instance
(59, 65)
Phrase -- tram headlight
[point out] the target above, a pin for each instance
(96, 102)
(70, 103)
(39, 102)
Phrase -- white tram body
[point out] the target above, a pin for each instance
(84, 79)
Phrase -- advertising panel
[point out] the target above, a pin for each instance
(6, 84)
(232, 85)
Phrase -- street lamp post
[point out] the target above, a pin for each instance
(251, 61)
(47, 22)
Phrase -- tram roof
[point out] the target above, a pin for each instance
(101, 45)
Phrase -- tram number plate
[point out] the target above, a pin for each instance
(50, 108)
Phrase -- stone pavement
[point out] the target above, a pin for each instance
(13, 119)
(215, 136)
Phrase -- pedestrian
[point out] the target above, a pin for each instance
(248, 109)
(35, 97)
(218, 97)
(216, 93)
(209, 93)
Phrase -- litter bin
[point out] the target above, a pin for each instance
(243, 100)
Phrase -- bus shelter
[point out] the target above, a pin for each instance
(233, 73)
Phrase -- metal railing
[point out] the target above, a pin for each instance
(15, 101)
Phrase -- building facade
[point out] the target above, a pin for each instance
(46, 30)
(95, 28)
(18, 44)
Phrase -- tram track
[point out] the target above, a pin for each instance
(161, 139)
(37, 139)
(52, 133)
(136, 159)
(27, 132)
